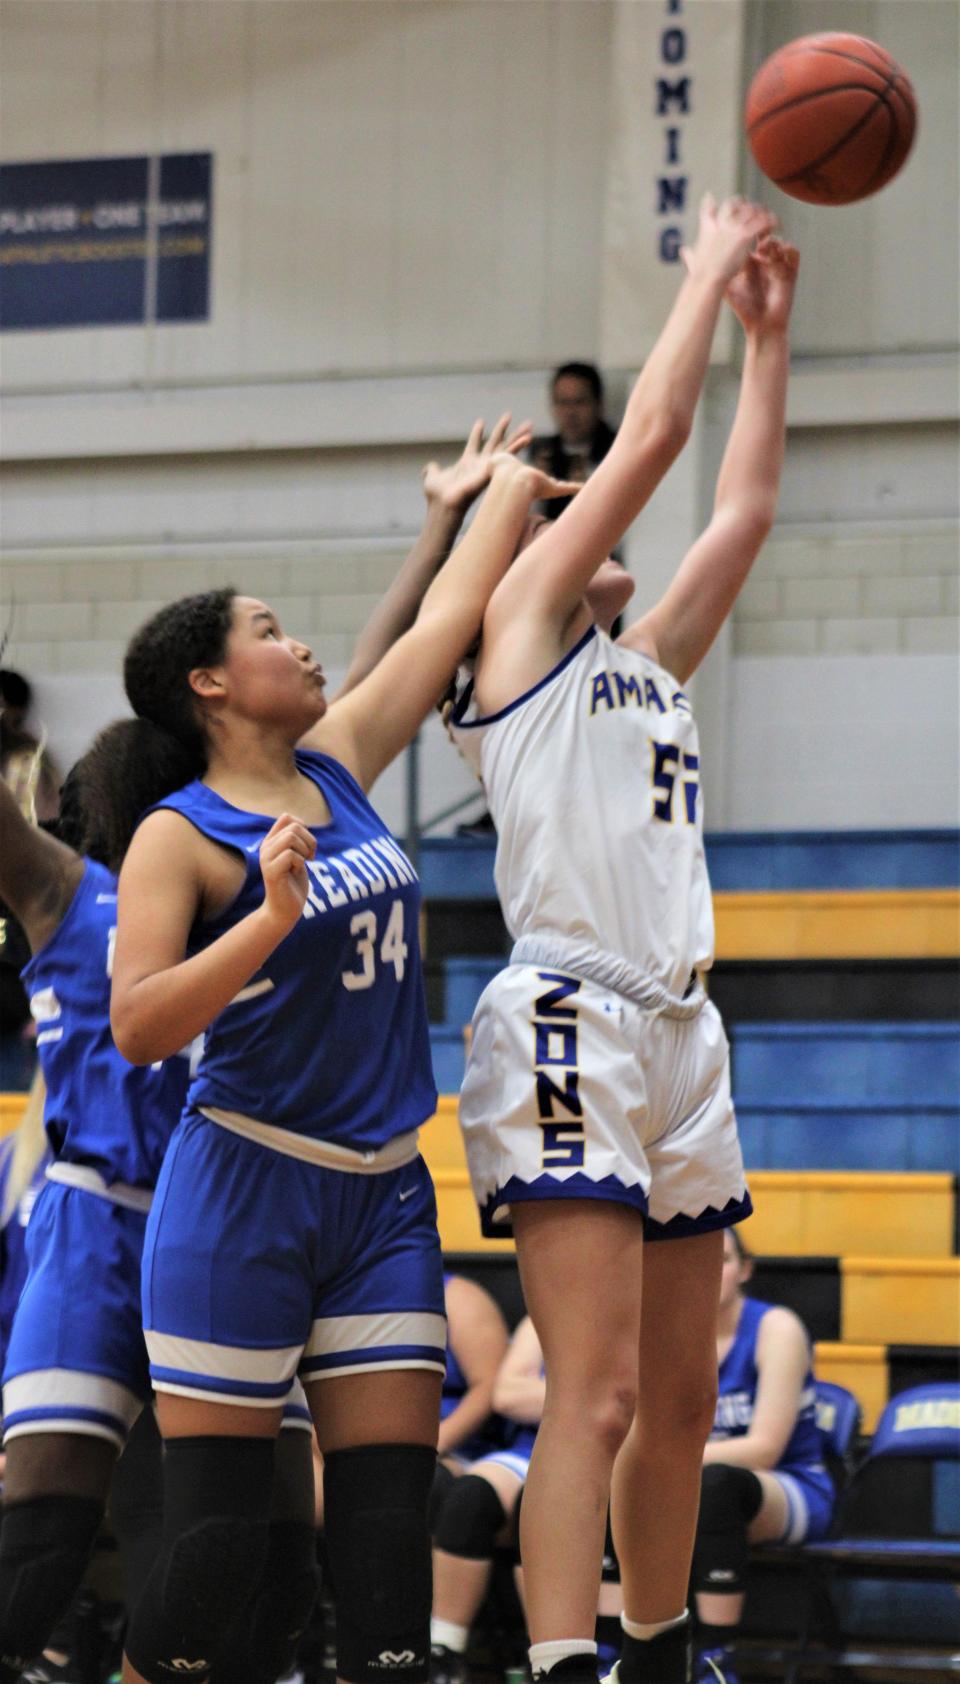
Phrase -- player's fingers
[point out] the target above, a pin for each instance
(499, 432)
(708, 205)
(475, 436)
(519, 439)
(431, 468)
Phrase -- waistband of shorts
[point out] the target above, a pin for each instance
(609, 970)
(89, 1180)
(397, 1152)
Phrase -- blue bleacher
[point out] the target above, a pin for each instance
(848, 1095)
(844, 1096)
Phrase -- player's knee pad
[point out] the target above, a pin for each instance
(471, 1519)
(262, 1646)
(45, 1544)
(729, 1499)
(375, 1515)
(444, 1483)
(216, 1506)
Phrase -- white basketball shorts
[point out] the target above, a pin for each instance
(574, 1091)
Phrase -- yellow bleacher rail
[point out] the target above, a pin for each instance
(838, 924)
(862, 1369)
(833, 1213)
(902, 1300)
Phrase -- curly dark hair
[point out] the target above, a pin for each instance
(191, 632)
(129, 766)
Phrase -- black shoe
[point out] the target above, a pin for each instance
(446, 1666)
(51, 1672)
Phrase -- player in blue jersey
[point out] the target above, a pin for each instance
(77, 1371)
(764, 1478)
(596, 1108)
(294, 1228)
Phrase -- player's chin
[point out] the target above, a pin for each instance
(609, 591)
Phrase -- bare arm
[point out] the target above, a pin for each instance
(783, 1358)
(39, 876)
(520, 1387)
(680, 629)
(450, 492)
(368, 727)
(478, 1339)
(547, 583)
(161, 1000)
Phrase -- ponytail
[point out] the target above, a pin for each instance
(130, 766)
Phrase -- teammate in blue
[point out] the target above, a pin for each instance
(77, 1372)
(265, 906)
(764, 1478)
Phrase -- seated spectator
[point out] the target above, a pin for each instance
(583, 436)
(480, 1511)
(477, 1341)
(764, 1479)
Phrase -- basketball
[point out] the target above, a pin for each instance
(830, 118)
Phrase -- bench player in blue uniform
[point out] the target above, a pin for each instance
(77, 1373)
(294, 1228)
(596, 1107)
(764, 1478)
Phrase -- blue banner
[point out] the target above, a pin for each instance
(106, 242)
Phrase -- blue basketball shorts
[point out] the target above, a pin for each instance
(259, 1266)
(76, 1361)
(810, 1498)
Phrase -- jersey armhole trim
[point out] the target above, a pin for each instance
(548, 678)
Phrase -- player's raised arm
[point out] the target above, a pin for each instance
(552, 574)
(450, 493)
(368, 727)
(38, 874)
(680, 629)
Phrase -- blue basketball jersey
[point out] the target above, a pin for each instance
(738, 1393)
(13, 1234)
(99, 1110)
(329, 1039)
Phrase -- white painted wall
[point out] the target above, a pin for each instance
(410, 196)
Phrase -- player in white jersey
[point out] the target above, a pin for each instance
(596, 1108)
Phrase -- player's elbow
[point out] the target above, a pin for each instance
(134, 1037)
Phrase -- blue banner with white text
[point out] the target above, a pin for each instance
(106, 242)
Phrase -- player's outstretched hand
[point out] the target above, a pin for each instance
(537, 483)
(726, 235)
(761, 294)
(284, 851)
(459, 485)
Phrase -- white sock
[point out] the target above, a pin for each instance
(446, 1635)
(544, 1656)
(636, 1628)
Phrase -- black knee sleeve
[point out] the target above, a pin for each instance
(472, 1517)
(216, 1506)
(45, 1544)
(729, 1499)
(262, 1644)
(375, 1518)
(444, 1482)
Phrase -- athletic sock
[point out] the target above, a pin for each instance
(444, 1634)
(571, 1660)
(609, 1640)
(657, 1653)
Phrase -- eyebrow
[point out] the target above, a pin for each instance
(263, 614)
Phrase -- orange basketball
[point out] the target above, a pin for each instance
(830, 118)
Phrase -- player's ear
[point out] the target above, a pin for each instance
(206, 682)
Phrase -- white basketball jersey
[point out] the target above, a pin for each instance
(593, 781)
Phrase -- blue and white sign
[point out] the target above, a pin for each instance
(105, 242)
